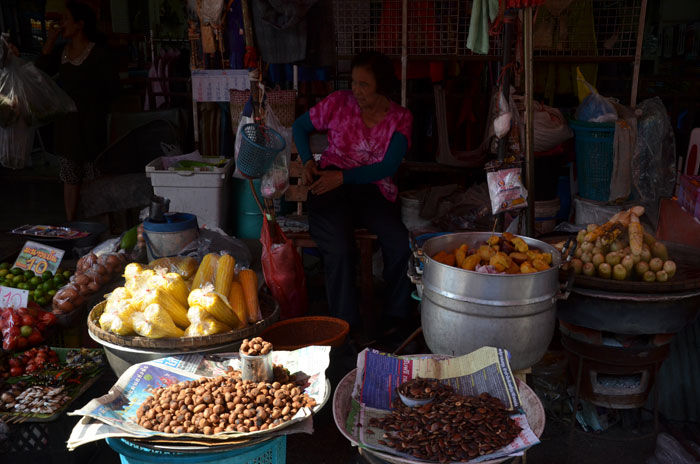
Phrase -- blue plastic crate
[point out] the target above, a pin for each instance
(594, 158)
(273, 451)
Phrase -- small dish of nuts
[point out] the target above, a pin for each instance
(417, 392)
(255, 347)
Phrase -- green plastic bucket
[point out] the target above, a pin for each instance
(247, 217)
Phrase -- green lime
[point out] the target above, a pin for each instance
(28, 274)
(43, 301)
(29, 286)
(49, 285)
(51, 293)
(11, 284)
(39, 292)
(22, 286)
(67, 274)
(16, 271)
(26, 330)
(5, 266)
(59, 280)
(35, 281)
(4, 272)
(18, 278)
(30, 298)
(46, 275)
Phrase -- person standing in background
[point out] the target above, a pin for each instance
(86, 73)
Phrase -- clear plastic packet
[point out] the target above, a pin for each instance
(506, 188)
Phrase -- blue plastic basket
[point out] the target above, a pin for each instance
(269, 452)
(259, 148)
(594, 158)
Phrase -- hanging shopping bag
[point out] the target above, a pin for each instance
(283, 271)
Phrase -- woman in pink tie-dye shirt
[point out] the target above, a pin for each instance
(352, 184)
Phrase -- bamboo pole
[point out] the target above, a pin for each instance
(638, 54)
(529, 129)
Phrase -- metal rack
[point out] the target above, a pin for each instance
(585, 30)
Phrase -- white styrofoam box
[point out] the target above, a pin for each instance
(203, 192)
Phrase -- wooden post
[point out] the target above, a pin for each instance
(638, 54)
(404, 50)
(529, 129)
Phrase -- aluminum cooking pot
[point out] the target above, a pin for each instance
(462, 310)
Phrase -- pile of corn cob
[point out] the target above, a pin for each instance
(156, 303)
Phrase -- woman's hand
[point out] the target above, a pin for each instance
(51, 37)
(310, 171)
(327, 181)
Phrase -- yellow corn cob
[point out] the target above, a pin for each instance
(176, 310)
(215, 304)
(183, 265)
(118, 319)
(636, 233)
(249, 282)
(154, 322)
(173, 284)
(236, 299)
(139, 282)
(202, 323)
(118, 294)
(132, 270)
(225, 273)
(206, 271)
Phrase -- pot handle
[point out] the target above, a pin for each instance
(570, 247)
(414, 271)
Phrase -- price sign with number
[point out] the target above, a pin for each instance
(39, 258)
(13, 297)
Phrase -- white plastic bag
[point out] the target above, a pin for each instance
(276, 181)
(506, 188)
(27, 93)
(550, 128)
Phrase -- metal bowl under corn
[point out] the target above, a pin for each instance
(123, 352)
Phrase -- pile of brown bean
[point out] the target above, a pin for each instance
(423, 388)
(221, 404)
(456, 428)
(255, 347)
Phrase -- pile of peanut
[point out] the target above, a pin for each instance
(221, 404)
(255, 347)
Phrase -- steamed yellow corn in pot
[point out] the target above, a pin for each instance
(154, 322)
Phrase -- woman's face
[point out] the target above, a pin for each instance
(70, 28)
(364, 87)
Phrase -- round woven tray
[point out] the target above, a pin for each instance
(268, 306)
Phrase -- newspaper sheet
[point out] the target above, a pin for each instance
(114, 414)
(484, 370)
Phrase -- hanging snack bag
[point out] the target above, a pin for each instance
(506, 187)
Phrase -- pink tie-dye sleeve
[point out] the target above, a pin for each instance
(322, 113)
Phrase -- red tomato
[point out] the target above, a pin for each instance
(35, 338)
(15, 371)
(22, 342)
(28, 320)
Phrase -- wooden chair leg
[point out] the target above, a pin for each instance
(369, 317)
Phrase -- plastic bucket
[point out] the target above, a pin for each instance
(248, 219)
(168, 238)
(410, 211)
(546, 215)
(272, 451)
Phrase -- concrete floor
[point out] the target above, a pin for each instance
(35, 196)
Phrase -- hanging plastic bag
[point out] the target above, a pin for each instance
(506, 187)
(27, 93)
(276, 181)
(504, 121)
(283, 271)
(594, 107)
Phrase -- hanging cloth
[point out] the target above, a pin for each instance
(483, 13)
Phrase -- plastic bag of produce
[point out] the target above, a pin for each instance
(27, 93)
(283, 271)
(550, 126)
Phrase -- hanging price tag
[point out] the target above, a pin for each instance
(13, 297)
(39, 258)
